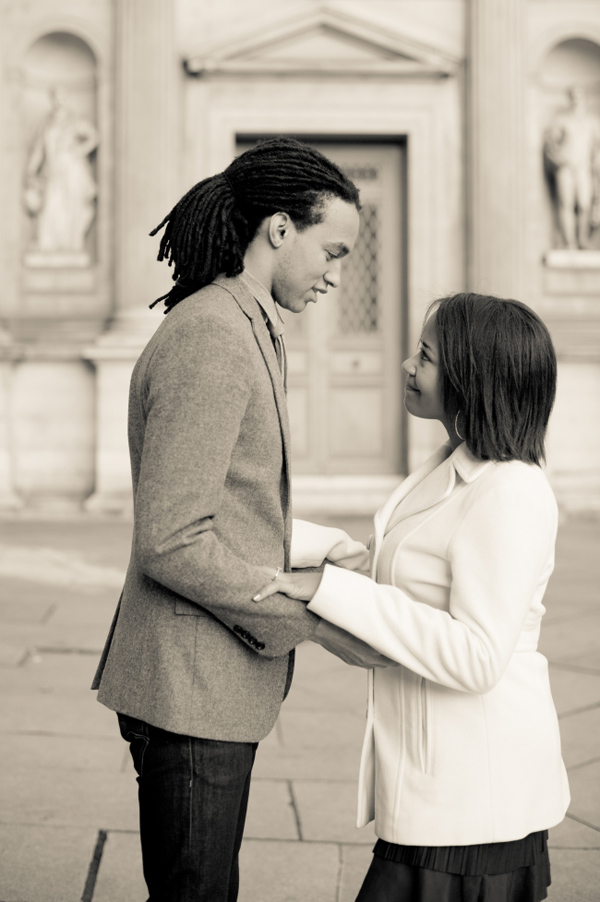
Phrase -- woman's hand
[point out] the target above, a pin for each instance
(301, 586)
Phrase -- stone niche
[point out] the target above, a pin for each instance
(59, 146)
(49, 387)
(569, 277)
(569, 97)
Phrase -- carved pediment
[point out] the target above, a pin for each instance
(325, 42)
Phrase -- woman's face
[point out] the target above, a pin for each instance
(423, 389)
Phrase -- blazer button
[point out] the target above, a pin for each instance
(237, 629)
(260, 646)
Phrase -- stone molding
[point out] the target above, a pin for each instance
(377, 51)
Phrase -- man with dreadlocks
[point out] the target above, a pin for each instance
(197, 671)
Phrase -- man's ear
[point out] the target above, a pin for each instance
(280, 226)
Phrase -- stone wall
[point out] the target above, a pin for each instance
(470, 87)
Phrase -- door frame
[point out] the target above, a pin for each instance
(431, 174)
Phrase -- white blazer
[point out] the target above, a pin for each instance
(462, 743)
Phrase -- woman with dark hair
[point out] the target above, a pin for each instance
(461, 766)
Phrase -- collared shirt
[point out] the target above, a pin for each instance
(273, 318)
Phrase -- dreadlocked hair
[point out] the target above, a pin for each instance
(208, 231)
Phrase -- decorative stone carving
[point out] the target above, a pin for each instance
(572, 159)
(60, 188)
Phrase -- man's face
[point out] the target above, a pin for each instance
(308, 263)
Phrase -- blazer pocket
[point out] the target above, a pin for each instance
(182, 606)
(426, 731)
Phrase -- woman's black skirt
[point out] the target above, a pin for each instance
(494, 872)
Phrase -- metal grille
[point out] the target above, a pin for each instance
(358, 311)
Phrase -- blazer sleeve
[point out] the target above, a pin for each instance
(197, 388)
(501, 555)
(313, 544)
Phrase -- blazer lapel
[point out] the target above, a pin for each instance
(432, 489)
(238, 290)
(428, 485)
(442, 485)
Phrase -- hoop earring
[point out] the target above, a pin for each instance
(461, 437)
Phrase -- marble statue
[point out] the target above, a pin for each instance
(572, 154)
(60, 189)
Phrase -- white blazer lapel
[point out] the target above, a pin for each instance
(433, 488)
(385, 512)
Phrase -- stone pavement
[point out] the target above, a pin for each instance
(68, 820)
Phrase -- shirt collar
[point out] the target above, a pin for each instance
(466, 464)
(265, 300)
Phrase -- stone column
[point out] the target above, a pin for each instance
(146, 183)
(495, 103)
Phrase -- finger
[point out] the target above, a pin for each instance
(270, 589)
(281, 584)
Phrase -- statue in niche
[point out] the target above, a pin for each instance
(572, 157)
(60, 189)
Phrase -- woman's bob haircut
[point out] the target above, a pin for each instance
(498, 372)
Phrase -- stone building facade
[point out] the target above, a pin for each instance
(443, 112)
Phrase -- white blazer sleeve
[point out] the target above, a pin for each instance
(313, 544)
(500, 556)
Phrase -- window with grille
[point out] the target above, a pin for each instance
(358, 309)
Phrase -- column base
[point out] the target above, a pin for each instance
(116, 504)
(10, 503)
(114, 356)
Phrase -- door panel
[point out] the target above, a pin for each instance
(356, 422)
(352, 338)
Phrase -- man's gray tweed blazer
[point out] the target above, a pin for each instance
(188, 650)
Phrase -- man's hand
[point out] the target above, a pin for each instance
(348, 648)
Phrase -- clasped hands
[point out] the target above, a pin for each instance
(302, 586)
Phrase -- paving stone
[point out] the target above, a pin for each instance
(98, 541)
(87, 637)
(580, 737)
(327, 811)
(575, 876)
(77, 715)
(17, 638)
(43, 751)
(585, 793)
(120, 875)
(288, 872)
(42, 864)
(23, 592)
(71, 615)
(355, 864)
(571, 640)
(11, 654)
(69, 673)
(567, 610)
(28, 610)
(570, 834)
(270, 811)
(572, 690)
(590, 663)
(323, 682)
(68, 798)
(313, 743)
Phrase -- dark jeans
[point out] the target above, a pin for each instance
(193, 796)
